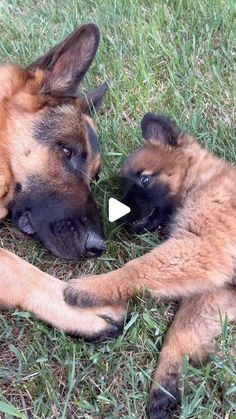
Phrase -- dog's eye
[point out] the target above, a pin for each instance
(145, 179)
(67, 151)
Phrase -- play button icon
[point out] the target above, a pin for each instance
(116, 209)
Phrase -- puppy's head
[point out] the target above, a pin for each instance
(152, 176)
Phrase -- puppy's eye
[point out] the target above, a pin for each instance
(145, 179)
(67, 151)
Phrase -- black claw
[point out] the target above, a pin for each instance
(110, 319)
(80, 299)
(112, 332)
(109, 334)
(162, 405)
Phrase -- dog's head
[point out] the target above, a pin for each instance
(52, 146)
(153, 175)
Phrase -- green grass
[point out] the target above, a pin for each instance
(173, 56)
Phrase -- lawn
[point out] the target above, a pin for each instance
(176, 57)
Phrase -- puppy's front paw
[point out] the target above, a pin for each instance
(80, 297)
(161, 404)
(86, 292)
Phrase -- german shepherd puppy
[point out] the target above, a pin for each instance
(49, 155)
(171, 182)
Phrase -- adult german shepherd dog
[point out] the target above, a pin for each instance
(49, 153)
(173, 183)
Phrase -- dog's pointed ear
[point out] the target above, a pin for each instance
(66, 64)
(159, 129)
(91, 101)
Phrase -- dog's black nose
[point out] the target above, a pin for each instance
(94, 245)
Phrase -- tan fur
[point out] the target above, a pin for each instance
(198, 321)
(25, 287)
(203, 241)
(21, 107)
(197, 263)
(22, 104)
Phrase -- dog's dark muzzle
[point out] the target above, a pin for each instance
(68, 229)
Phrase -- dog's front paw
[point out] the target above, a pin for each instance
(162, 404)
(113, 318)
(86, 292)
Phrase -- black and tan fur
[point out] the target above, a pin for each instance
(49, 154)
(173, 183)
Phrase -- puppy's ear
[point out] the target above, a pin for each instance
(91, 101)
(66, 64)
(159, 129)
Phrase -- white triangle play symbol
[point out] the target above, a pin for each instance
(116, 209)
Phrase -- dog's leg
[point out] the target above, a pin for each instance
(25, 287)
(5, 177)
(5, 186)
(177, 268)
(198, 321)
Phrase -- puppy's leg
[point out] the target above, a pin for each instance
(25, 287)
(196, 324)
(177, 268)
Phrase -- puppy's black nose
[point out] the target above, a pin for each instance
(94, 245)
